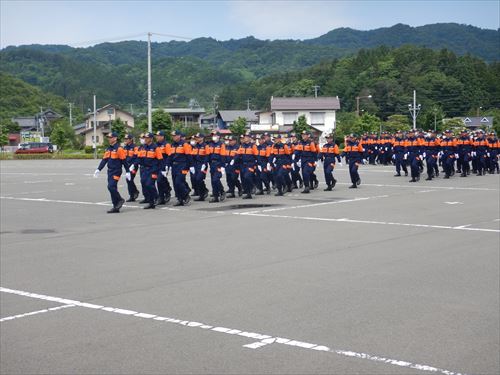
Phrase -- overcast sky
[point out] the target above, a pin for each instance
(82, 23)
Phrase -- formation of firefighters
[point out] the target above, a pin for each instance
(258, 165)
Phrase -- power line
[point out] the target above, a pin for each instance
(104, 40)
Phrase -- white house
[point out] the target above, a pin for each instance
(319, 112)
(104, 117)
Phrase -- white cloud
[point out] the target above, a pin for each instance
(287, 19)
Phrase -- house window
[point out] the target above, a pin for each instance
(290, 117)
(317, 118)
(96, 139)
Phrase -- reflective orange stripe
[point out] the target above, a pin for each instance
(116, 178)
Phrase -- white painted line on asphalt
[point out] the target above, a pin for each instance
(346, 220)
(453, 202)
(37, 182)
(105, 203)
(69, 184)
(35, 313)
(311, 205)
(263, 340)
(426, 186)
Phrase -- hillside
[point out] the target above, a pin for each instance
(18, 98)
(203, 67)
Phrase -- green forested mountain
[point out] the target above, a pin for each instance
(445, 82)
(18, 98)
(256, 69)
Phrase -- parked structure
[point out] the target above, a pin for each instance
(226, 117)
(105, 116)
(477, 122)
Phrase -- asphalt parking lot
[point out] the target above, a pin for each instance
(391, 278)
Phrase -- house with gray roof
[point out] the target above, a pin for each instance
(478, 122)
(319, 112)
(226, 118)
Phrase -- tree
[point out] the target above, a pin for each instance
(301, 125)
(62, 135)
(238, 127)
(4, 135)
(118, 126)
(368, 124)
(396, 122)
(161, 120)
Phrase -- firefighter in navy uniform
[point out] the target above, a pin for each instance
(116, 159)
(200, 163)
(247, 158)
(295, 170)
(430, 152)
(464, 149)
(152, 163)
(279, 162)
(306, 155)
(263, 174)
(354, 152)
(413, 155)
(329, 152)
(216, 159)
(162, 183)
(449, 153)
(131, 150)
(233, 169)
(180, 163)
(399, 151)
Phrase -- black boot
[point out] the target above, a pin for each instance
(149, 206)
(260, 192)
(180, 202)
(113, 210)
(306, 190)
(334, 182)
(247, 196)
(161, 202)
(353, 186)
(428, 178)
(214, 200)
(119, 204)
(328, 188)
(397, 175)
(279, 193)
(143, 201)
(413, 180)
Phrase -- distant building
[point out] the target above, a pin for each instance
(225, 118)
(477, 122)
(187, 116)
(104, 118)
(38, 121)
(208, 122)
(320, 114)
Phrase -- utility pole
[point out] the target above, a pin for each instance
(414, 109)
(70, 114)
(94, 145)
(132, 109)
(357, 102)
(478, 111)
(435, 112)
(248, 104)
(316, 88)
(150, 126)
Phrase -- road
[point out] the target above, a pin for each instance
(390, 278)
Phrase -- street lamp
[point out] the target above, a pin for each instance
(357, 102)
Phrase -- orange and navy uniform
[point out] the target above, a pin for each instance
(216, 155)
(199, 153)
(353, 151)
(330, 152)
(116, 158)
(448, 147)
(151, 160)
(306, 151)
(131, 152)
(247, 155)
(413, 147)
(464, 145)
(180, 156)
(431, 146)
(279, 156)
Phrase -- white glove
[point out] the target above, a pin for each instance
(192, 170)
(376, 148)
(299, 163)
(164, 173)
(132, 168)
(440, 153)
(424, 155)
(405, 156)
(274, 160)
(293, 167)
(456, 156)
(167, 169)
(203, 167)
(488, 154)
(223, 170)
(340, 164)
(269, 167)
(393, 157)
(128, 176)
(473, 153)
(96, 173)
(387, 149)
(293, 157)
(259, 168)
(231, 162)
(364, 161)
